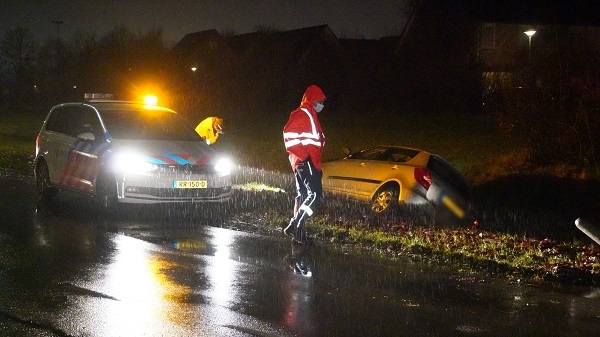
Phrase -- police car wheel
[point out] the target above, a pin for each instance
(42, 180)
(106, 191)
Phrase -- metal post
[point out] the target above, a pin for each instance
(588, 229)
(57, 23)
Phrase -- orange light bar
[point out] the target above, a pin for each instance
(150, 100)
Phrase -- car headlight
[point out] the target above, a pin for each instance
(132, 163)
(223, 166)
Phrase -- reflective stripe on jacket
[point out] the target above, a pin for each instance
(302, 135)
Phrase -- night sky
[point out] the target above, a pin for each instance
(347, 18)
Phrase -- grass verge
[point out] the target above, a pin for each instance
(348, 225)
(19, 128)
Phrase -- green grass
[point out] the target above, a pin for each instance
(257, 187)
(18, 131)
(466, 140)
(472, 143)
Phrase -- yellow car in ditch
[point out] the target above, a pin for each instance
(386, 176)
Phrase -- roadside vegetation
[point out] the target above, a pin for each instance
(18, 130)
(531, 243)
(526, 213)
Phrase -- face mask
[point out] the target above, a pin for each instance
(319, 107)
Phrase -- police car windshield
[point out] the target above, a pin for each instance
(144, 124)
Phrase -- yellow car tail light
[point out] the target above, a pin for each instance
(423, 177)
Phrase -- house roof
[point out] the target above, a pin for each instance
(190, 42)
(291, 42)
(560, 12)
(367, 49)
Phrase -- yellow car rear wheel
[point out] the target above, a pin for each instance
(385, 199)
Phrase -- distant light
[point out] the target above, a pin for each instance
(74, 87)
(150, 100)
(194, 69)
(529, 33)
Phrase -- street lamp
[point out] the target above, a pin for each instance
(194, 69)
(57, 23)
(529, 34)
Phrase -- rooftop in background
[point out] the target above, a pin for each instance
(352, 18)
(291, 41)
(544, 12)
(191, 41)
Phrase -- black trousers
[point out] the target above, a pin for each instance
(309, 197)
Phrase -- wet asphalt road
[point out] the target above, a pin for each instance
(67, 271)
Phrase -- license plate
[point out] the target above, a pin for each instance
(453, 206)
(190, 184)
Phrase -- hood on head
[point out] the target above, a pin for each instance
(312, 94)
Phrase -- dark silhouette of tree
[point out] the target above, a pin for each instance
(557, 103)
(437, 72)
(18, 53)
(120, 62)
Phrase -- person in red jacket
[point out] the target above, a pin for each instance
(304, 141)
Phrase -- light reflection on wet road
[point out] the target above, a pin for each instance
(67, 272)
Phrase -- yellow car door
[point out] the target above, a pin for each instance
(355, 175)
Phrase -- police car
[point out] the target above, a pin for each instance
(127, 152)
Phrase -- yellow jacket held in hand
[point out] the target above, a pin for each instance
(209, 129)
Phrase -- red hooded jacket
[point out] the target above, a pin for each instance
(302, 134)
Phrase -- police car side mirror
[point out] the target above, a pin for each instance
(87, 136)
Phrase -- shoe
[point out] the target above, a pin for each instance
(302, 269)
